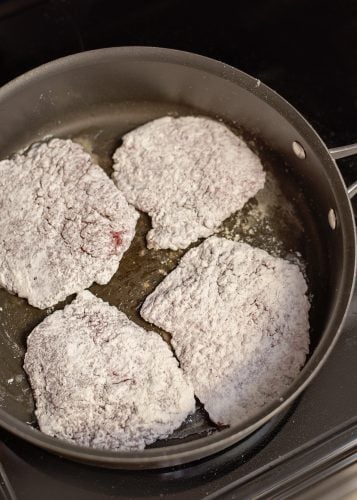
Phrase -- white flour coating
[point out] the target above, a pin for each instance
(63, 223)
(100, 380)
(239, 324)
(188, 174)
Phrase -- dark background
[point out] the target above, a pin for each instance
(304, 49)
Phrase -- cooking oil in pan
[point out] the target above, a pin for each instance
(277, 220)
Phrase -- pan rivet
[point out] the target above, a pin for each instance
(331, 217)
(299, 150)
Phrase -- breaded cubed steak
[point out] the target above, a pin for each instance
(100, 380)
(63, 223)
(239, 324)
(188, 174)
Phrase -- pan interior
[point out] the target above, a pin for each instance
(278, 220)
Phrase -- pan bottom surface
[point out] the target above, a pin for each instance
(277, 219)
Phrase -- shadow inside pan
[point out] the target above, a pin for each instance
(278, 220)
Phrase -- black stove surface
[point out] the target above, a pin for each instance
(307, 51)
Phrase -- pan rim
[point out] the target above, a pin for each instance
(202, 447)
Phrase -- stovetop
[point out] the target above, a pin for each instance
(307, 51)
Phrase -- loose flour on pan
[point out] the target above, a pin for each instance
(63, 223)
(188, 174)
(100, 380)
(239, 324)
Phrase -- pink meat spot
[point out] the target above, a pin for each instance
(117, 239)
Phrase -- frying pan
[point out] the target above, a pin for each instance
(96, 97)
